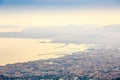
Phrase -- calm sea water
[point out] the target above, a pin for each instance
(14, 50)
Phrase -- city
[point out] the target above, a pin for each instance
(94, 64)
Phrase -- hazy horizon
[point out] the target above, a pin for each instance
(27, 13)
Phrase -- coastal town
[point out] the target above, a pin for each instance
(93, 64)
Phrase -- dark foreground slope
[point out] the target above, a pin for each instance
(95, 64)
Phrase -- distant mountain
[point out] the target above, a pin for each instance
(87, 34)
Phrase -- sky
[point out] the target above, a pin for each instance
(26, 13)
(58, 3)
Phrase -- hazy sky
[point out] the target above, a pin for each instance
(59, 13)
